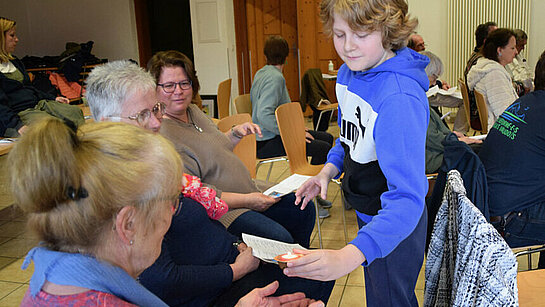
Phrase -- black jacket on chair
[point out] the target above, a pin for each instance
(16, 97)
(312, 91)
(458, 155)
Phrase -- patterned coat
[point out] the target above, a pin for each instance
(468, 263)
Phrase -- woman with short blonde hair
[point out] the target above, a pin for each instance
(100, 200)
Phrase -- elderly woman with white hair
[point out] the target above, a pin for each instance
(123, 91)
(437, 130)
(434, 70)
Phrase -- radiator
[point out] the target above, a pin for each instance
(463, 18)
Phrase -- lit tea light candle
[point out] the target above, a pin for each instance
(285, 258)
(289, 256)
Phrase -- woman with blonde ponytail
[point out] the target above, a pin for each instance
(100, 200)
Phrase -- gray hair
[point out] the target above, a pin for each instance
(110, 84)
(520, 35)
(435, 67)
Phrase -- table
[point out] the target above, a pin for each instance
(5, 148)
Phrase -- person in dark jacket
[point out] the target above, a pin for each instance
(201, 264)
(20, 102)
(514, 158)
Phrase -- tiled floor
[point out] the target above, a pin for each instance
(15, 242)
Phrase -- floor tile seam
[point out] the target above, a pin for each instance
(19, 287)
(341, 296)
(12, 260)
(344, 290)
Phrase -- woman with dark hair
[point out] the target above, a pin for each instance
(489, 75)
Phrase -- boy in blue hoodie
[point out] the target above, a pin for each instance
(381, 150)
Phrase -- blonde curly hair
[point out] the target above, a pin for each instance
(390, 17)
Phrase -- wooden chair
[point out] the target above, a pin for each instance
(224, 98)
(325, 108)
(431, 182)
(528, 251)
(246, 148)
(483, 111)
(243, 104)
(531, 289)
(291, 124)
(465, 96)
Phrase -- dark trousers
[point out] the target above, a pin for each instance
(525, 228)
(323, 125)
(267, 273)
(283, 221)
(390, 281)
(317, 149)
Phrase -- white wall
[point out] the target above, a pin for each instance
(44, 27)
(214, 44)
(536, 38)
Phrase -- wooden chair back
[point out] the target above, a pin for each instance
(483, 111)
(531, 289)
(246, 148)
(465, 98)
(292, 131)
(483, 114)
(224, 98)
(243, 104)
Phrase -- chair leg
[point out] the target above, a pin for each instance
(318, 223)
(319, 119)
(269, 172)
(344, 218)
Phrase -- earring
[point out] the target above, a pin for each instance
(131, 242)
(499, 53)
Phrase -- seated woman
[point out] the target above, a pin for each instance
(489, 76)
(268, 92)
(208, 154)
(437, 130)
(201, 264)
(20, 102)
(100, 201)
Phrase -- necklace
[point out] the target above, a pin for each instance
(189, 119)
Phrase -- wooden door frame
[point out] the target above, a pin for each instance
(142, 31)
(241, 38)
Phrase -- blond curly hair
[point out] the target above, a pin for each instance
(390, 17)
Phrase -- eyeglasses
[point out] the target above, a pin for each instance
(177, 204)
(170, 87)
(143, 116)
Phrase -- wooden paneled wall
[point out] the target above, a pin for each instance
(299, 23)
(316, 49)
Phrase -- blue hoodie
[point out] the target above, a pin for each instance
(383, 118)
